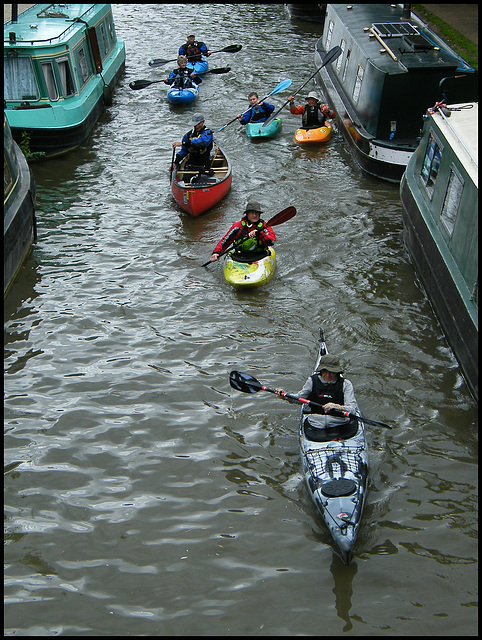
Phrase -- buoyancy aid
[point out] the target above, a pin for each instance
(182, 78)
(250, 244)
(193, 51)
(324, 392)
(313, 117)
(257, 113)
(202, 150)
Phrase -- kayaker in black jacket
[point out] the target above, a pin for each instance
(329, 388)
(182, 77)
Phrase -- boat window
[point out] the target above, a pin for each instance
(66, 82)
(83, 62)
(452, 200)
(358, 83)
(345, 68)
(49, 78)
(431, 164)
(19, 82)
(105, 39)
(329, 35)
(340, 57)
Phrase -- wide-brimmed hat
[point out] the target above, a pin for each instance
(312, 94)
(253, 205)
(330, 363)
(197, 118)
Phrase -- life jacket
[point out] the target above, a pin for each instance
(313, 117)
(250, 244)
(202, 152)
(324, 392)
(257, 113)
(182, 79)
(193, 51)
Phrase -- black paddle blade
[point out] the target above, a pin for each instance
(232, 48)
(244, 382)
(220, 70)
(140, 84)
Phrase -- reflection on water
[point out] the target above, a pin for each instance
(143, 495)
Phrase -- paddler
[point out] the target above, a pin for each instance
(197, 143)
(250, 232)
(314, 114)
(329, 388)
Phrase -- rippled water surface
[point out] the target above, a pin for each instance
(143, 495)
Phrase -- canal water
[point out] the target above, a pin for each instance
(143, 495)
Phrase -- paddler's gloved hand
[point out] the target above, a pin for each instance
(282, 394)
(333, 405)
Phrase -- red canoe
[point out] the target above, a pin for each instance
(205, 191)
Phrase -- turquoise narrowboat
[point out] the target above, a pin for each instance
(61, 62)
(440, 194)
(19, 224)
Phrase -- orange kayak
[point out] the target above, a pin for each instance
(314, 136)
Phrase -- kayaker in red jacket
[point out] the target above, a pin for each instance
(257, 236)
(314, 114)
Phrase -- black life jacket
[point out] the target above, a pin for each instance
(313, 117)
(182, 79)
(199, 155)
(193, 51)
(324, 392)
(257, 113)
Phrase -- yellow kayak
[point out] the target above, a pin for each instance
(247, 271)
(314, 136)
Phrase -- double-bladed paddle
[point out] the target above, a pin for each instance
(279, 218)
(142, 84)
(246, 383)
(232, 48)
(330, 56)
(284, 84)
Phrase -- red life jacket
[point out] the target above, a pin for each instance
(193, 51)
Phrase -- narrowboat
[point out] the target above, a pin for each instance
(393, 67)
(19, 230)
(439, 193)
(61, 62)
(196, 192)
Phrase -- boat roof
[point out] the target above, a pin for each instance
(460, 130)
(380, 30)
(47, 24)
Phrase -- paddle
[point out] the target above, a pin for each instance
(284, 84)
(330, 56)
(246, 383)
(232, 48)
(142, 84)
(279, 218)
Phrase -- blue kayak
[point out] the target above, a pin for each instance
(175, 95)
(256, 129)
(199, 67)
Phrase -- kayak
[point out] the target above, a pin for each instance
(197, 192)
(256, 129)
(249, 271)
(199, 67)
(335, 467)
(175, 95)
(314, 136)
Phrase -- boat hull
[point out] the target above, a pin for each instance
(183, 96)
(199, 67)
(201, 196)
(335, 468)
(53, 123)
(256, 129)
(245, 274)
(314, 136)
(19, 211)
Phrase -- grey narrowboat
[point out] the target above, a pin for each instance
(393, 67)
(19, 224)
(439, 193)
